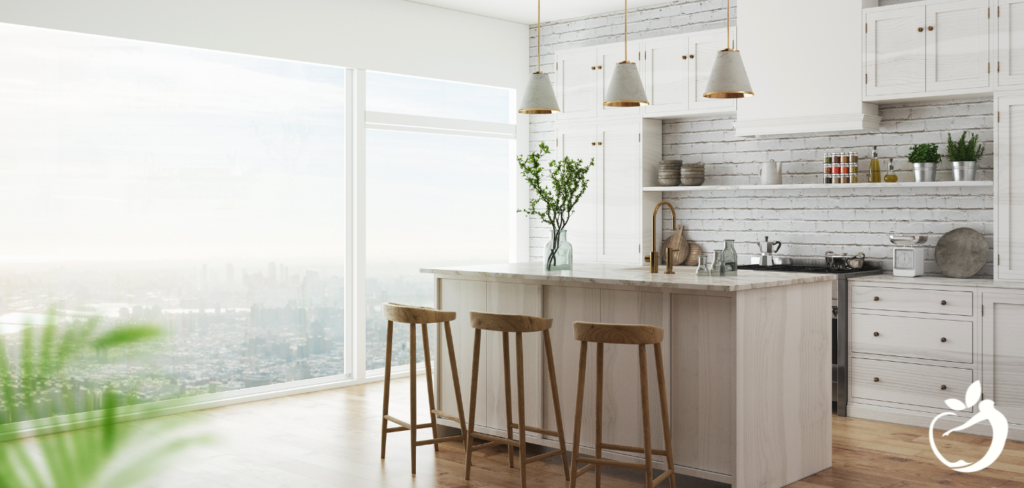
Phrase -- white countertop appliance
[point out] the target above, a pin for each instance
(906, 260)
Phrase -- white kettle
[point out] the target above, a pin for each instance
(771, 173)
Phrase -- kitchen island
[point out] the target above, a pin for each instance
(748, 362)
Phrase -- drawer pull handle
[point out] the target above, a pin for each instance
(943, 387)
(943, 339)
(876, 299)
(876, 381)
(876, 335)
(943, 302)
(920, 29)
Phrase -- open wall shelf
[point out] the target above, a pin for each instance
(850, 186)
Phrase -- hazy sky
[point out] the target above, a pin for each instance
(120, 149)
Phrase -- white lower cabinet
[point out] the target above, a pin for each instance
(908, 358)
(1003, 377)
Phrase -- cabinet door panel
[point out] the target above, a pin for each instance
(1010, 188)
(580, 143)
(577, 84)
(608, 58)
(666, 65)
(618, 193)
(1003, 380)
(958, 40)
(704, 48)
(1011, 42)
(895, 51)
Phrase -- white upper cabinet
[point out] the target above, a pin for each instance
(580, 142)
(1010, 65)
(1009, 191)
(666, 65)
(958, 45)
(935, 48)
(618, 192)
(895, 51)
(703, 49)
(577, 84)
(607, 58)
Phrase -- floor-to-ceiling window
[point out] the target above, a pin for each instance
(214, 194)
(197, 190)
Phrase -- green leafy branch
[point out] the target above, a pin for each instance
(964, 150)
(554, 204)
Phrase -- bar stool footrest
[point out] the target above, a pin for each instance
(663, 477)
(443, 415)
(541, 457)
(499, 440)
(638, 450)
(454, 438)
(614, 464)
(535, 430)
(404, 425)
(486, 445)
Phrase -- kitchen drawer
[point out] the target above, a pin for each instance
(941, 340)
(909, 384)
(912, 300)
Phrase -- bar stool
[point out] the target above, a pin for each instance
(420, 315)
(641, 335)
(518, 324)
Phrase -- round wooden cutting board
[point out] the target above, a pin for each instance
(676, 241)
(694, 256)
(961, 253)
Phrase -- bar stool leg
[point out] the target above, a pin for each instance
(508, 399)
(600, 410)
(430, 383)
(472, 401)
(664, 414)
(579, 414)
(387, 391)
(467, 442)
(645, 406)
(558, 406)
(522, 408)
(412, 391)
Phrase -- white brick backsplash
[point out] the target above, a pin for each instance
(807, 221)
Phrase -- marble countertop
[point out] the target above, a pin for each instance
(980, 282)
(619, 274)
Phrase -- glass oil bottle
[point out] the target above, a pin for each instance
(874, 171)
(890, 174)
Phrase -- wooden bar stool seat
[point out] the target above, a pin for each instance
(641, 336)
(517, 324)
(395, 312)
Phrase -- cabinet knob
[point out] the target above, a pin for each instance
(920, 29)
(598, 67)
(943, 387)
(876, 299)
(943, 302)
(876, 334)
(931, 27)
(593, 143)
(593, 67)
(876, 380)
(943, 339)
(691, 56)
(599, 144)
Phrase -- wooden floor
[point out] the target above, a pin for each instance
(332, 439)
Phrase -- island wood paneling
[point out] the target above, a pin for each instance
(461, 297)
(703, 363)
(519, 299)
(783, 394)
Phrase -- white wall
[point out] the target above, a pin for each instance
(395, 36)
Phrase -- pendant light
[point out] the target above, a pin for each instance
(728, 77)
(539, 97)
(626, 88)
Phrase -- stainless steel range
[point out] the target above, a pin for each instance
(840, 315)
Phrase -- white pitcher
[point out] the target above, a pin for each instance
(771, 173)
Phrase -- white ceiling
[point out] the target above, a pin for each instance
(525, 11)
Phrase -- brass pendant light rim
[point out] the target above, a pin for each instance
(539, 111)
(625, 62)
(538, 73)
(729, 49)
(626, 103)
(729, 94)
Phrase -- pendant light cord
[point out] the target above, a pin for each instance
(625, 30)
(538, 36)
(728, 13)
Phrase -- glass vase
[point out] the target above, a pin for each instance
(558, 252)
(730, 260)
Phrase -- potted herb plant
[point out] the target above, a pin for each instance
(964, 155)
(554, 203)
(925, 157)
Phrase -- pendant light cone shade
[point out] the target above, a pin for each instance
(539, 97)
(626, 88)
(728, 77)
